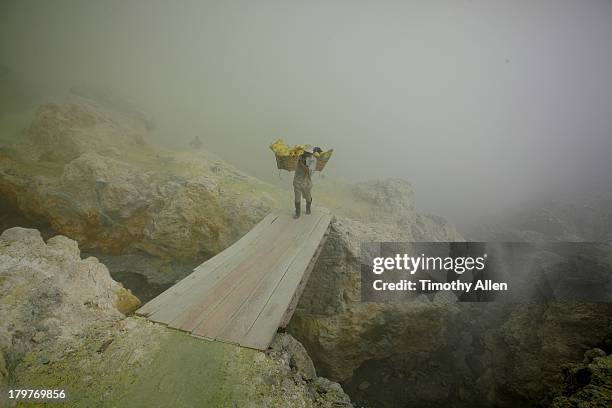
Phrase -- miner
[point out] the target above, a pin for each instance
(302, 179)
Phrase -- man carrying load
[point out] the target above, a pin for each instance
(302, 180)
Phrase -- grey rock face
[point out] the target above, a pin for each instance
(112, 206)
(428, 350)
(104, 187)
(48, 291)
(297, 357)
(587, 384)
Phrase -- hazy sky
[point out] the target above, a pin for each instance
(478, 103)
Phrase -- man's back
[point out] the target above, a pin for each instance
(304, 171)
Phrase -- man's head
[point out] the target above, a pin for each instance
(308, 151)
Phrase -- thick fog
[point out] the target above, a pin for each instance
(480, 104)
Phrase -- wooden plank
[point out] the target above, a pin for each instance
(200, 295)
(262, 332)
(206, 305)
(203, 282)
(197, 278)
(302, 285)
(237, 325)
(244, 293)
(207, 267)
(225, 310)
(173, 310)
(253, 235)
(305, 276)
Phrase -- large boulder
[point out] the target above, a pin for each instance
(588, 383)
(429, 349)
(335, 282)
(84, 170)
(48, 291)
(112, 206)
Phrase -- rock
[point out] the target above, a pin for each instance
(112, 206)
(490, 354)
(335, 281)
(49, 291)
(333, 323)
(24, 236)
(65, 247)
(60, 325)
(342, 342)
(328, 391)
(115, 196)
(286, 384)
(104, 345)
(268, 379)
(130, 324)
(39, 337)
(592, 354)
(126, 302)
(587, 384)
(3, 373)
(294, 354)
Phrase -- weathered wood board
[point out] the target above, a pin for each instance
(243, 294)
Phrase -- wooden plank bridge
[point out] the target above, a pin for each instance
(245, 293)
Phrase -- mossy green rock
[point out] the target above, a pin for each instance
(137, 363)
(126, 302)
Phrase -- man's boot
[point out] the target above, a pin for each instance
(308, 206)
(298, 209)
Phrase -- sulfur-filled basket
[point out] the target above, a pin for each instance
(289, 163)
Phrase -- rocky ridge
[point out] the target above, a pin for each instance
(90, 173)
(587, 383)
(126, 195)
(430, 349)
(49, 292)
(64, 327)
